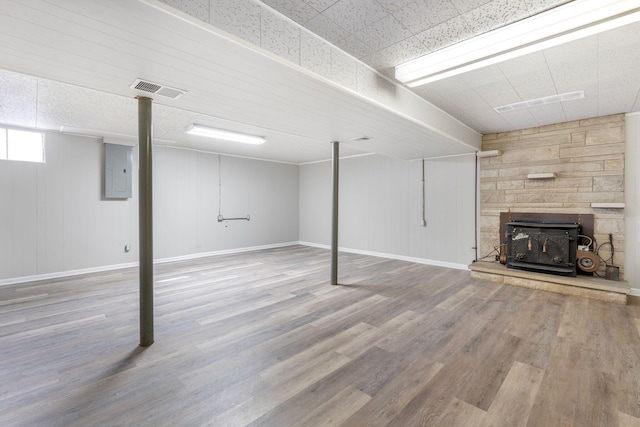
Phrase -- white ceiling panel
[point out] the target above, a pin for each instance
(585, 107)
(297, 10)
(490, 84)
(495, 14)
(523, 116)
(548, 114)
(421, 15)
(434, 24)
(530, 76)
(103, 46)
(573, 63)
(75, 45)
(18, 100)
(618, 93)
(381, 34)
(354, 15)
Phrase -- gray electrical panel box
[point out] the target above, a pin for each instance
(117, 171)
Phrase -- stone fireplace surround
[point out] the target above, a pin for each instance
(585, 162)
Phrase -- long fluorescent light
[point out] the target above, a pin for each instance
(225, 135)
(571, 21)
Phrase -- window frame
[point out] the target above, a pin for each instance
(6, 140)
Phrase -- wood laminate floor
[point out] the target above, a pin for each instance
(262, 339)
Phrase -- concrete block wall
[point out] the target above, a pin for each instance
(587, 157)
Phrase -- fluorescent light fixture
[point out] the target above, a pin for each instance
(565, 23)
(225, 135)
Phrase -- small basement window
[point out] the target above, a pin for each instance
(21, 145)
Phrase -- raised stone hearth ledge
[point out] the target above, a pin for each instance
(582, 286)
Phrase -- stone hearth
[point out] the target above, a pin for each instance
(583, 286)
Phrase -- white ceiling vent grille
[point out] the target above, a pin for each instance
(155, 88)
(569, 96)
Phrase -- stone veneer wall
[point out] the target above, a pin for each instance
(588, 159)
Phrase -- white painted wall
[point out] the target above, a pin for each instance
(632, 203)
(53, 218)
(186, 202)
(380, 207)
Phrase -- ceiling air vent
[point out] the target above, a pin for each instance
(569, 96)
(155, 88)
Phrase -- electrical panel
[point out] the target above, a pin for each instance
(117, 171)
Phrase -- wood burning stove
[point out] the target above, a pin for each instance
(543, 247)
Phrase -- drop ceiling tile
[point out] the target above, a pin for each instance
(445, 34)
(618, 52)
(315, 54)
(395, 54)
(625, 36)
(343, 69)
(548, 114)
(327, 29)
(393, 5)
(573, 63)
(484, 75)
(519, 119)
(18, 95)
(355, 47)
(117, 112)
(490, 84)
(529, 75)
(473, 113)
(466, 5)
(618, 94)
(320, 5)
(454, 90)
(537, 6)
(484, 120)
(495, 14)
(353, 15)
(421, 15)
(585, 107)
(197, 8)
(58, 103)
(280, 36)
(381, 34)
(388, 92)
(366, 81)
(298, 11)
(238, 17)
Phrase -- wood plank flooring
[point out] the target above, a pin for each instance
(263, 339)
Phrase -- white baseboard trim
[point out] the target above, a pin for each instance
(70, 273)
(67, 273)
(635, 292)
(425, 261)
(223, 252)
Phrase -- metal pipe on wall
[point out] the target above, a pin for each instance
(145, 220)
(423, 220)
(334, 217)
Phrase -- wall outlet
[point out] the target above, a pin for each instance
(127, 248)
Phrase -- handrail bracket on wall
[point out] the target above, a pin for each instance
(222, 218)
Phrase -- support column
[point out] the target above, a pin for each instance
(334, 216)
(145, 220)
